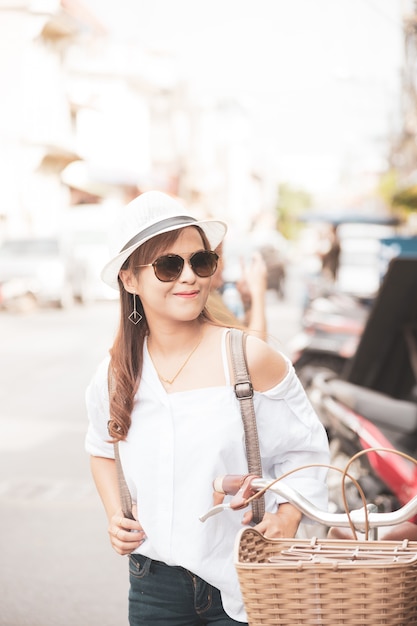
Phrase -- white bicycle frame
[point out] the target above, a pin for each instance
(359, 517)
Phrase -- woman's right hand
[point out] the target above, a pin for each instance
(254, 281)
(125, 534)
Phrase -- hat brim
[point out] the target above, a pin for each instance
(214, 230)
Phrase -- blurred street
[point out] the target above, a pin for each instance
(58, 568)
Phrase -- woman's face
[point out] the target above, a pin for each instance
(180, 300)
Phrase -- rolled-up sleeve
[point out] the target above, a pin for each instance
(97, 402)
(291, 436)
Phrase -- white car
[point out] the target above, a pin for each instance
(37, 267)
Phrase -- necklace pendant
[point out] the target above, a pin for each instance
(165, 380)
(172, 380)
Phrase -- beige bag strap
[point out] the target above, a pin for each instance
(125, 497)
(244, 393)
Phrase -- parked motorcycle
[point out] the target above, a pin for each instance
(332, 324)
(373, 402)
(335, 313)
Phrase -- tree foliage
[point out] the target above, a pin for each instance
(291, 203)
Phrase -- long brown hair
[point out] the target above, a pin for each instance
(127, 351)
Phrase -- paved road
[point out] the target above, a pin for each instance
(57, 567)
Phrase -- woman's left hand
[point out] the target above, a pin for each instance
(125, 534)
(283, 523)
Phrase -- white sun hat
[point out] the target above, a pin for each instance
(152, 213)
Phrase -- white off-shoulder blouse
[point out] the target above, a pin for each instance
(179, 442)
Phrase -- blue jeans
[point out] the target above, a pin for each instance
(162, 595)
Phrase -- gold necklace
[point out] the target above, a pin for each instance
(166, 380)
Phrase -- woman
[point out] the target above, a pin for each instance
(179, 425)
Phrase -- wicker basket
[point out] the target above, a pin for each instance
(326, 582)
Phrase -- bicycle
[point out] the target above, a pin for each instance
(323, 582)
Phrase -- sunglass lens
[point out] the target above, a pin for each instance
(168, 267)
(204, 263)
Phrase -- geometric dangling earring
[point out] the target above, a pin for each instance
(135, 316)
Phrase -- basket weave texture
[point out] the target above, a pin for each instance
(323, 582)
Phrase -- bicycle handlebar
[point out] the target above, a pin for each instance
(249, 485)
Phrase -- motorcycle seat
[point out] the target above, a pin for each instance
(375, 406)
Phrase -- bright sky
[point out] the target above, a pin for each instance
(320, 77)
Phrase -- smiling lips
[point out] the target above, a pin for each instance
(187, 294)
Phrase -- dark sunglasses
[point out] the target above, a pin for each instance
(168, 267)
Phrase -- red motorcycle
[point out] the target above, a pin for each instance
(373, 402)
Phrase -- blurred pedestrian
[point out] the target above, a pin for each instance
(329, 253)
(177, 421)
(249, 291)
(252, 286)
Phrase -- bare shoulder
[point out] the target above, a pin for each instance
(267, 367)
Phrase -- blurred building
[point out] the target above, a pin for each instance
(405, 149)
(36, 123)
(121, 114)
(139, 125)
(85, 119)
